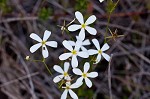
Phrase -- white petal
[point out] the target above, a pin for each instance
(66, 66)
(77, 71)
(83, 54)
(44, 51)
(90, 20)
(105, 47)
(79, 17)
(82, 34)
(84, 49)
(58, 69)
(98, 58)
(76, 84)
(64, 95)
(74, 61)
(52, 43)
(106, 56)
(88, 82)
(91, 30)
(101, 1)
(86, 67)
(65, 56)
(58, 78)
(67, 78)
(72, 43)
(78, 45)
(86, 42)
(92, 51)
(46, 35)
(79, 81)
(92, 74)
(72, 94)
(35, 47)
(74, 27)
(78, 38)
(96, 43)
(35, 37)
(67, 45)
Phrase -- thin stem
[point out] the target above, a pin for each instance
(107, 28)
(47, 68)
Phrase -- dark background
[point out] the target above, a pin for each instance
(130, 64)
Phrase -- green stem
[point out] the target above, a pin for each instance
(47, 68)
(108, 21)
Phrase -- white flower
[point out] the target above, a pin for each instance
(83, 43)
(84, 25)
(73, 53)
(64, 73)
(85, 75)
(101, 1)
(68, 89)
(42, 43)
(99, 51)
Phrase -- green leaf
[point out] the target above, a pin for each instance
(45, 13)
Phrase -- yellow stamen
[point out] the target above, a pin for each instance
(67, 87)
(99, 51)
(83, 25)
(74, 52)
(65, 74)
(84, 75)
(43, 42)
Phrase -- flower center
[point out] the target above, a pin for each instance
(43, 42)
(84, 75)
(83, 25)
(67, 87)
(65, 74)
(74, 52)
(99, 51)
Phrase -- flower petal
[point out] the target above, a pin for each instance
(96, 43)
(79, 17)
(58, 78)
(76, 84)
(91, 30)
(98, 58)
(92, 51)
(86, 67)
(106, 56)
(86, 42)
(52, 43)
(64, 95)
(101, 1)
(66, 66)
(79, 81)
(74, 27)
(72, 43)
(67, 45)
(46, 35)
(65, 56)
(90, 20)
(35, 37)
(84, 49)
(58, 69)
(72, 94)
(44, 51)
(83, 54)
(78, 45)
(88, 82)
(92, 74)
(77, 71)
(35, 47)
(105, 47)
(82, 34)
(74, 61)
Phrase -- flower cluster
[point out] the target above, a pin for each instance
(75, 49)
